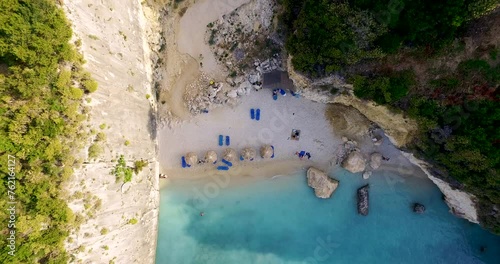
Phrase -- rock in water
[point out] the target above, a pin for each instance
(363, 200)
(323, 185)
(354, 162)
(418, 208)
(367, 175)
(375, 160)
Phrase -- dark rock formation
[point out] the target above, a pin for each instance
(363, 200)
(418, 208)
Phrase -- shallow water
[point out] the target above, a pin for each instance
(280, 220)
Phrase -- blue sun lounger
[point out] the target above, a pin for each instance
(221, 140)
(252, 113)
(302, 153)
(228, 141)
(257, 115)
(272, 157)
(223, 168)
(282, 92)
(228, 163)
(183, 162)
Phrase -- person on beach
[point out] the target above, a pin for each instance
(202, 213)
(308, 155)
(385, 158)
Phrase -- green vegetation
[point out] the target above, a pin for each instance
(102, 126)
(104, 231)
(40, 125)
(325, 36)
(384, 89)
(132, 221)
(126, 143)
(139, 165)
(100, 136)
(121, 171)
(94, 151)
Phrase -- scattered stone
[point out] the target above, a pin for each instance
(375, 160)
(367, 175)
(345, 139)
(354, 162)
(377, 140)
(323, 185)
(232, 94)
(363, 200)
(418, 208)
(253, 78)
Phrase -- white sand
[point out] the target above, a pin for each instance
(278, 118)
(192, 28)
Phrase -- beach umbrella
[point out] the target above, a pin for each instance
(210, 156)
(230, 154)
(248, 153)
(191, 158)
(266, 151)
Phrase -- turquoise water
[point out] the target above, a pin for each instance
(281, 221)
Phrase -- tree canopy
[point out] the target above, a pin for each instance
(40, 125)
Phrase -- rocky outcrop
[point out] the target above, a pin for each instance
(323, 185)
(375, 160)
(355, 162)
(462, 204)
(418, 208)
(363, 200)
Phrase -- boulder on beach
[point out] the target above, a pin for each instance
(375, 160)
(363, 200)
(354, 162)
(323, 185)
(191, 158)
(230, 154)
(248, 153)
(367, 174)
(266, 151)
(418, 208)
(210, 156)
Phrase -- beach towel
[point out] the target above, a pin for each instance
(221, 140)
(252, 113)
(228, 141)
(257, 115)
(273, 152)
(183, 162)
(302, 153)
(223, 168)
(228, 163)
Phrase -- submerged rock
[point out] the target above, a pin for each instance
(323, 185)
(367, 175)
(418, 208)
(363, 200)
(375, 160)
(354, 162)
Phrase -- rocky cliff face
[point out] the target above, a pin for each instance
(461, 204)
(399, 130)
(115, 41)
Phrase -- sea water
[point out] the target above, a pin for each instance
(280, 220)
